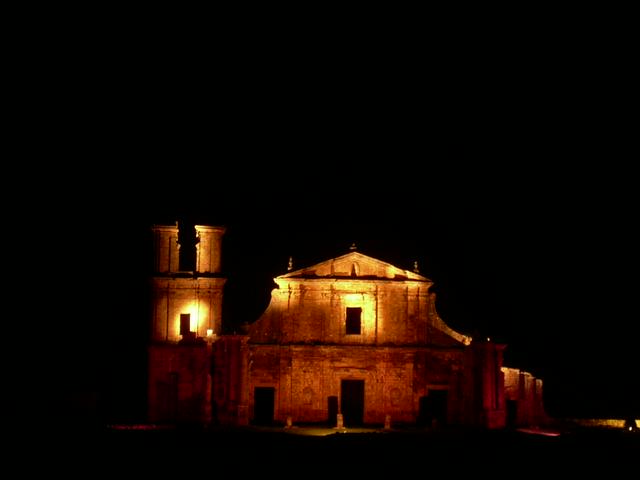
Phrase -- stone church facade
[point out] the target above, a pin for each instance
(352, 339)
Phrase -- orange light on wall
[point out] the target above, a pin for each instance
(353, 299)
(195, 313)
(198, 316)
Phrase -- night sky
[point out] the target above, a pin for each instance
(507, 177)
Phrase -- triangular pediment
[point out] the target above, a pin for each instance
(355, 264)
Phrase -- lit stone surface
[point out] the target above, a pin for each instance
(200, 297)
(208, 258)
(352, 340)
(180, 364)
(301, 345)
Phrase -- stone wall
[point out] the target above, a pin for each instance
(300, 362)
(314, 311)
(484, 402)
(305, 377)
(201, 298)
(230, 368)
(178, 383)
(525, 399)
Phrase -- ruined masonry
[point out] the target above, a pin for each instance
(352, 337)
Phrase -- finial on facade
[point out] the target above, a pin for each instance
(415, 267)
(290, 266)
(353, 247)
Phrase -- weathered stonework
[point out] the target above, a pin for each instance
(186, 318)
(524, 399)
(200, 297)
(395, 378)
(351, 339)
(178, 383)
(403, 354)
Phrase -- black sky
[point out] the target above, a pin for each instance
(502, 165)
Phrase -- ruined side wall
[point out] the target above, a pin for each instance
(230, 368)
(524, 391)
(484, 402)
(178, 382)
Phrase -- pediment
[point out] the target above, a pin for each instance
(358, 265)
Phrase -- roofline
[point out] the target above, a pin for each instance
(300, 270)
(334, 279)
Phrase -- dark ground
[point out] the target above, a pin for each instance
(268, 451)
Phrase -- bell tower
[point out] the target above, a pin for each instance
(186, 318)
(187, 305)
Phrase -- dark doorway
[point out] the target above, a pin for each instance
(352, 402)
(185, 323)
(512, 413)
(438, 406)
(332, 408)
(264, 403)
(424, 413)
(433, 409)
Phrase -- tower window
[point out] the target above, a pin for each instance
(185, 323)
(354, 323)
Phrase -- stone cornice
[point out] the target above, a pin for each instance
(166, 228)
(188, 282)
(210, 228)
(346, 280)
(348, 346)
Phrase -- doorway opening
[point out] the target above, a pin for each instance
(352, 402)
(433, 408)
(332, 409)
(264, 403)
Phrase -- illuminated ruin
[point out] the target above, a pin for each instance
(352, 337)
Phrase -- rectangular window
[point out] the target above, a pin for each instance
(185, 323)
(354, 315)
